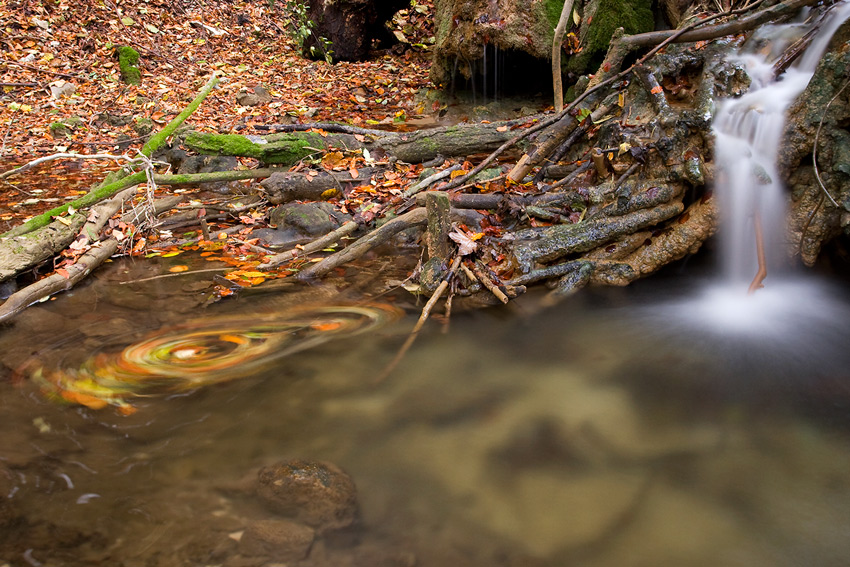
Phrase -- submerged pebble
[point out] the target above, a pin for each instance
(318, 494)
(283, 539)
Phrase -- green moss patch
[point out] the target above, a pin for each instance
(128, 61)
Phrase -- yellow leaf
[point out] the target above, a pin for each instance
(332, 159)
(172, 253)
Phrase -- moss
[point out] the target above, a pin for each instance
(59, 129)
(634, 16)
(280, 149)
(553, 11)
(143, 126)
(128, 61)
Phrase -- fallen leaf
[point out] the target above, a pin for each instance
(465, 244)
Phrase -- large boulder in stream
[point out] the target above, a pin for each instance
(318, 494)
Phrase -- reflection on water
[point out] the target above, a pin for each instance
(608, 431)
(204, 351)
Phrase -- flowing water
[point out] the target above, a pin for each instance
(597, 433)
(623, 427)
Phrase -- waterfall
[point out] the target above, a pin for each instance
(748, 132)
(790, 310)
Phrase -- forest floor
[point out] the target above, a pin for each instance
(61, 91)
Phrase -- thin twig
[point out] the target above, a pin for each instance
(815, 144)
(762, 270)
(426, 311)
(170, 275)
(36, 162)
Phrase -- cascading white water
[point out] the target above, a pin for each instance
(748, 133)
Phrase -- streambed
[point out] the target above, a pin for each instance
(606, 431)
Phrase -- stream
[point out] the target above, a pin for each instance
(613, 429)
(678, 421)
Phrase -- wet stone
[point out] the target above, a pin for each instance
(318, 494)
(281, 540)
(313, 219)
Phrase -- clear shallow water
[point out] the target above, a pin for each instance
(618, 428)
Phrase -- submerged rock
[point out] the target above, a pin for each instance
(318, 494)
(282, 539)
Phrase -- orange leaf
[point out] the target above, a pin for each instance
(657, 90)
(326, 326)
(64, 273)
(178, 269)
(83, 399)
(234, 339)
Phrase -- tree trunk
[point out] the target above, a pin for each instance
(349, 26)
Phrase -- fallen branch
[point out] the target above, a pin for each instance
(416, 217)
(713, 32)
(54, 283)
(319, 244)
(159, 138)
(558, 37)
(428, 181)
(45, 159)
(485, 280)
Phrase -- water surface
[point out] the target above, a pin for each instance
(614, 429)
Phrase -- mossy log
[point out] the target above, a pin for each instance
(411, 147)
(558, 241)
